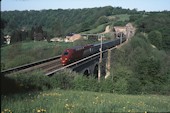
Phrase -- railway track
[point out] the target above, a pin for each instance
(46, 65)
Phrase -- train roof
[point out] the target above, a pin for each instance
(80, 47)
(104, 42)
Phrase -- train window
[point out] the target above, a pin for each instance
(65, 53)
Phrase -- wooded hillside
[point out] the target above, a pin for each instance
(21, 25)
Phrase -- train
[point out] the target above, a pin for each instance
(78, 52)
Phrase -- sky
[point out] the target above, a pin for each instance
(140, 5)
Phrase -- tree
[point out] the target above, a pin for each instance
(155, 38)
(148, 68)
(102, 20)
(3, 24)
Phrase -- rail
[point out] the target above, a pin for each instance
(18, 68)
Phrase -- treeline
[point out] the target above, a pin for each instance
(58, 22)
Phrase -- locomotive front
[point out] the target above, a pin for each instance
(66, 57)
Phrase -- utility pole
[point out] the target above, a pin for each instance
(121, 35)
(100, 60)
(108, 63)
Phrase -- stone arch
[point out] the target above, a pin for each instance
(95, 71)
(86, 72)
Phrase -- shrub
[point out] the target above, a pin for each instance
(155, 38)
(107, 85)
(134, 85)
(121, 76)
(148, 68)
(63, 80)
(121, 86)
(85, 83)
(31, 81)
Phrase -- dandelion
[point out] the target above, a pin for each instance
(38, 111)
(41, 110)
(6, 110)
(69, 106)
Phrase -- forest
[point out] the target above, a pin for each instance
(53, 23)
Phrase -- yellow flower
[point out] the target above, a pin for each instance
(7, 110)
(38, 111)
(69, 106)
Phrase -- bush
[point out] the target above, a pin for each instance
(31, 81)
(121, 77)
(155, 38)
(148, 69)
(85, 83)
(63, 80)
(107, 85)
(134, 85)
(121, 86)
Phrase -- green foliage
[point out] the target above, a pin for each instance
(155, 38)
(85, 84)
(123, 17)
(156, 22)
(135, 17)
(134, 85)
(102, 20)
(52, 23)
(121, 76)
(56, 21)
(62, 80)
(98, 29)
(147, 67)
(24, 82)
(120, 23)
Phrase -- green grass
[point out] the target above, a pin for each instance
(60, 101)
(120, 17)
(98, 29)
(123, 17)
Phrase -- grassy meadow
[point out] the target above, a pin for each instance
(61, 101)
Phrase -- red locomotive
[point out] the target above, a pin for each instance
(74, 54)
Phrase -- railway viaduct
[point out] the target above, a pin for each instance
(92, 66)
